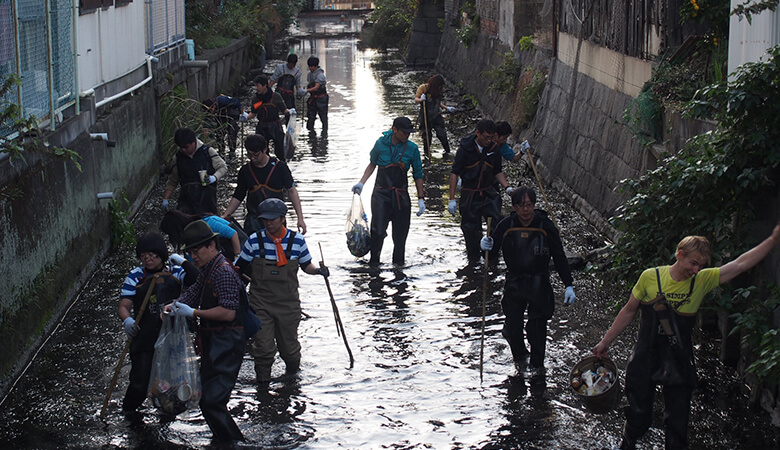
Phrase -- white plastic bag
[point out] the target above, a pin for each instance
(358, 234)
(174, 384)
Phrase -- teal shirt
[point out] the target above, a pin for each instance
(384, 153)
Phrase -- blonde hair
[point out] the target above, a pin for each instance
(695, 244)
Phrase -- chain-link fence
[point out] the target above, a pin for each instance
(165, 27)
(40, 52)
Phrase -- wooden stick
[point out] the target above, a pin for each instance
(336, 315)
(427, 137)
(484, 304)
(138, 317)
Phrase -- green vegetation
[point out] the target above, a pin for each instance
(503, 78)
(21, 135)
(527, 43)
(468, 27)
(391, 24)
(530, 96)
(757, 333)
(216, 24)
(122, 229)
(177, 110)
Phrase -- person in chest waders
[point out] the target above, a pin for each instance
(527, 239)
(669, 298)
(393, 153)
(271, 258)
(266, 106)
(318, 98)
(153, 253)
(262, 178)
(197, 167)
(287, 79)
(214, 300)
(478, 164)
(430, 98)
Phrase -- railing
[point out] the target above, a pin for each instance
(165, 24)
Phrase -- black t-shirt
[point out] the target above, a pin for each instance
(281, 178)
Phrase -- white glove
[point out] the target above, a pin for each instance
(524, 146)
(292, 111)
(452, 207)
(421, 206)
(423, 97)
(301, 92)
(460, 182)
(130, 328)
(182, 310)
(486, 243)
(450, 109)
(165, 206)
(176, 259)
(244, 117)
(509, 190)
(212, 179)
(358, 188)
(235, 260)
(569, 298)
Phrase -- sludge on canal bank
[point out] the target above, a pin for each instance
(414, 330)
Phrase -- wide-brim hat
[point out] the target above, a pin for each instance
(271, 208)
(196, 233)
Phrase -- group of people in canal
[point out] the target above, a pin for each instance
(266, 254)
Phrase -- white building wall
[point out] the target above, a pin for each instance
(110, 43)
(749, 42)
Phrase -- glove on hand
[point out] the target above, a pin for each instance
(421, 206)
(452, 207)
(244, 117)
(292, 111)
(176, 259)
(486, 243)
(509, 190)
(569, 298)
(212, 179)
(301, 92)
(130, 329)
(423, 97)
(524, 146)
(324, 271)
(358, 188)
(182, 310)
(165, 205)
(451, 109)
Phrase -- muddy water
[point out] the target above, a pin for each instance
(415, 330)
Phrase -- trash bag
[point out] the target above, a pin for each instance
(174, 384)
(291, 137)
(358, 234)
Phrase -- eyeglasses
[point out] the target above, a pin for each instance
(525, 205)
(195, 249)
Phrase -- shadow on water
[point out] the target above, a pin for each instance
(415, 331)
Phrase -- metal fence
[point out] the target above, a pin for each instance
(165, 27)
(36, 43)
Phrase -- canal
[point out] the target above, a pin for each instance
(415, 330)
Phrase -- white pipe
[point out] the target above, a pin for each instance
(149, 60)
(105, 195)
(99, 136)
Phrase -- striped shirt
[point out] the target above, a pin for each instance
(298, 250)
(136, 275)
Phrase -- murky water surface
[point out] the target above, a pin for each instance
(415, 331)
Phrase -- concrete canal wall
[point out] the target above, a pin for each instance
(54, 231)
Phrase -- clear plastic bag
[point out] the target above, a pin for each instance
(174, 384)
(358, 234)
(291, 137)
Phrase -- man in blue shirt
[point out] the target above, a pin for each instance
(393, 153)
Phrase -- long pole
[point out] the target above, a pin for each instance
(127, 345)
(427, 131)
(484, 305)
(539, 181)
(336, 315)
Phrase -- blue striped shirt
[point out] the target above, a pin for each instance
(252, 248)
(135, 276)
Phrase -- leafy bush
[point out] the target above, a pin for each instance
(122, 229)
(392, 24)
(503, 78)
(177, 110)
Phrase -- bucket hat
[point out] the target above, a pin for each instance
(196, 233)
(271, 208)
